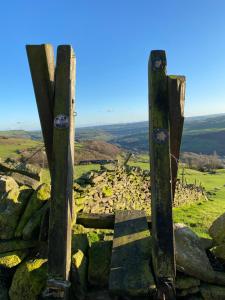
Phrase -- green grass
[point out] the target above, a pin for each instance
(78, 171)
(9, 147)
(82, 169)
(209, 181)
(140, 160)
(143, 165)
(199, 216)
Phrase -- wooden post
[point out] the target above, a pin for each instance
(59, 260)
(161, 189)
(176, 89)
(41, 61)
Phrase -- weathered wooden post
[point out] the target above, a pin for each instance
(54, 91)
(41, 61)
(59, 260)
(161, 188)
(176, 90)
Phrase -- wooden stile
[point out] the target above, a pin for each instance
(62, 175)
(176, 90)
(41, 62)
(130, 271)
(100, 221)
(161, 189)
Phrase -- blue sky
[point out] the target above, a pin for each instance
(112, 40)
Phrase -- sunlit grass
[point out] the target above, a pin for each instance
(199, 216)
(10, 147)
(78, 171)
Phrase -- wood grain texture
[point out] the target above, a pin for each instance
(41, 61)
(62, 171)
(161, 189)
(176, 90)
(130, 272)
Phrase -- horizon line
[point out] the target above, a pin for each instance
(118, 123)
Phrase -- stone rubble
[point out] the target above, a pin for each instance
(118, 188)
(23, 256)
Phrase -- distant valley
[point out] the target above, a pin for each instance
(204, 134)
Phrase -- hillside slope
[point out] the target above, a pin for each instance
(204, 134)
(22, 149)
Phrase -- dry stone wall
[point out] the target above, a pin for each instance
(23, 211)
(123, 187)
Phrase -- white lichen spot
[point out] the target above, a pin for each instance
(161, 136)
(158, 63)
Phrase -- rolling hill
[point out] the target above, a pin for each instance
(204, 134)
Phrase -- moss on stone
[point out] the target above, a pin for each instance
(107, 191)
(93, 237)
(25, 180)
(7, 183)
(29, 280)
(99, 263)
(77, 229)
(79, 275)
(219, 252)
(78, 208)
(11, 208)
(12, 245)
(210, 292)
(186, 282)
(36, 201)
(32, 228)
(80, 242)
(12, 259)
(80, 200)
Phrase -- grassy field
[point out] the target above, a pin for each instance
(9, 147)
(199, 216)
(78, 171)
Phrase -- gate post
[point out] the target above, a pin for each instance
(61, 211)
(176, 92)
(161, 188)
(42, 68)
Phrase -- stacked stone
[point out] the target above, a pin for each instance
(23, 203)
(117, 188)
(200, 275)
(197, 275)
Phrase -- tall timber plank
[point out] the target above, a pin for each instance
(176, 90)
(41, 62)
(61, 210)
(160, 165)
